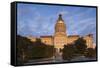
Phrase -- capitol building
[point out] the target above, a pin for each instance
(61, 38)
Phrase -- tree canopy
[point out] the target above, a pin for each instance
(27, 50)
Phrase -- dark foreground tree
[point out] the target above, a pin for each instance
(90, 53)
(68, 52)
(39, 52)
(22, 49)
(80, 45)
(27, 50)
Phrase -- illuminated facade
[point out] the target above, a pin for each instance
(60, 37)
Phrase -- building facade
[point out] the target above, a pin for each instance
(60, 37)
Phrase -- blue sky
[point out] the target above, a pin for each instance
(37, 20)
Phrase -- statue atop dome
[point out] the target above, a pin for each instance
(60, 17)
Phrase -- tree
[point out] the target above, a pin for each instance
(22, 49)
(90, 53)
(68, 52)
(42, 51)
(27, 50)
(80, 45)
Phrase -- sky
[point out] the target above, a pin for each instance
(39, 20)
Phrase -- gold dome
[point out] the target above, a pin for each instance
(60, 25)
